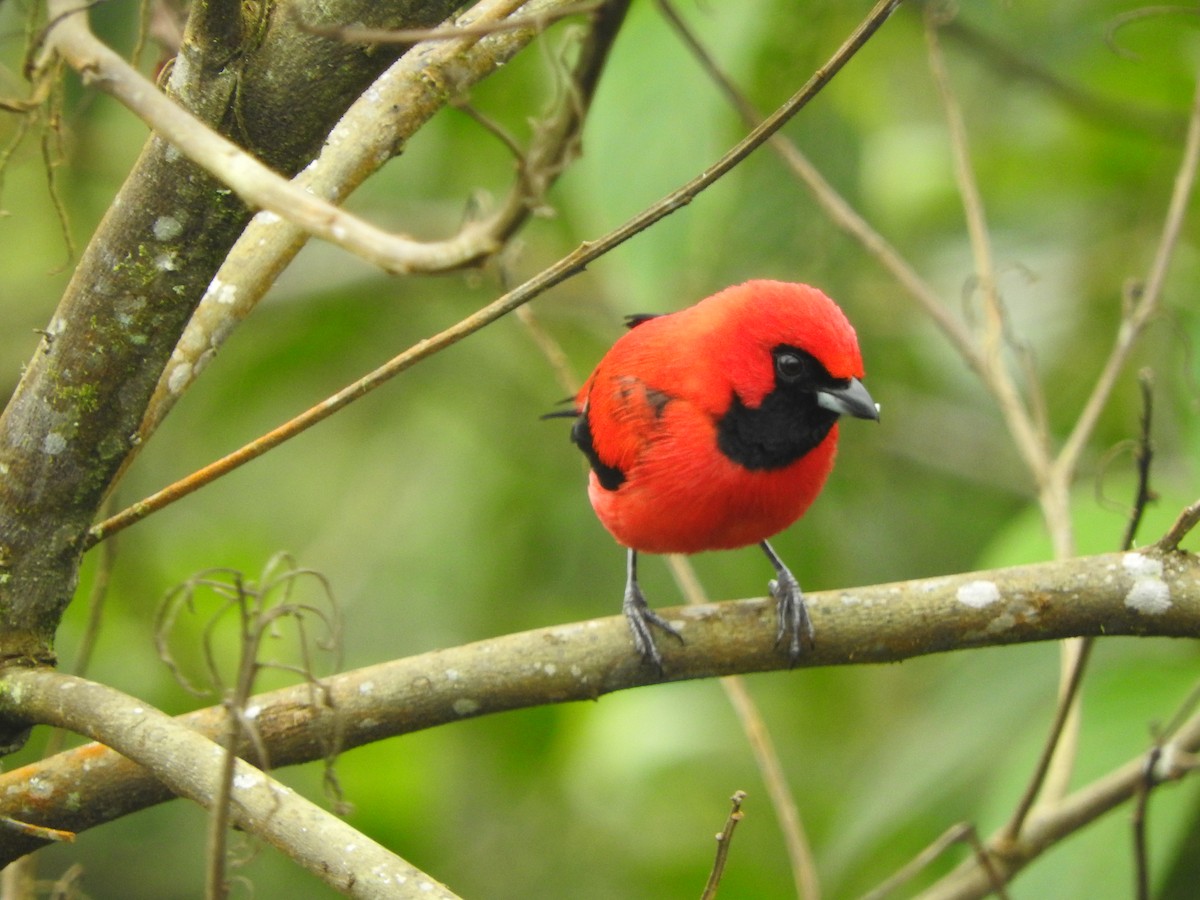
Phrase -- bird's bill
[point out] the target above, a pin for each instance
(851, 400)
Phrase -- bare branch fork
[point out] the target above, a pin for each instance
(269, 242)
(1114, 594)
(258, 185)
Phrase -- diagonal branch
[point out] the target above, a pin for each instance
(254, 182)
(569, 265)
(970, 881)
(189, 764)
(1149, 299)
(835, 205)
(366, 141)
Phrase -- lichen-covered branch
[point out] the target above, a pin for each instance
(1114, 594)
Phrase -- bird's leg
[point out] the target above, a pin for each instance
(795, 627)
(640, 617)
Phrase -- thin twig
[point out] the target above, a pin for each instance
(766, 756)
(39, 832)
(1148, 299)
(1029, 443)
(961, 833)
(1143, 456)
(1064, 708)
(834, 204)
(1187, 520)
(724, 839)
(1156, 769)
(551, 349)
(1140, 804)
(560, 271)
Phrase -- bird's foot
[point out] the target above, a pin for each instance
(795, 627)
(640, 617)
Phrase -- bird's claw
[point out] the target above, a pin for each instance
(640, 617)
(795, 627)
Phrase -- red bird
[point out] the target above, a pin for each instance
(715, 427)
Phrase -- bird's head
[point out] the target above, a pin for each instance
(791, 340)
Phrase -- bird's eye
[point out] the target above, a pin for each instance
(790, 366)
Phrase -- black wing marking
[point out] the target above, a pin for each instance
(636, 319)
(610, 477)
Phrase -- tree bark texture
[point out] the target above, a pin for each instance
(253, 73)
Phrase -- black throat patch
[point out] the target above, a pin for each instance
(788, 423)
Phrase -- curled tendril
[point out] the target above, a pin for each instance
(1140, 15)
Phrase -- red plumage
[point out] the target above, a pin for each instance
(716, 426)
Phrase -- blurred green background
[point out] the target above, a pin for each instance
(442, 510)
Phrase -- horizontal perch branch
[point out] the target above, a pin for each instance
(1113, 594)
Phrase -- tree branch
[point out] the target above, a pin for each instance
(256, 184)
(190, 764)
(1188, 519)
(1052, 824)
(1113, 594)
(74, 417)
(1147, 303)
(560, 271)
(367, 139)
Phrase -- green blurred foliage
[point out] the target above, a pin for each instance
(442, 510)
